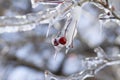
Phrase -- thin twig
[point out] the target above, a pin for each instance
(107, 7)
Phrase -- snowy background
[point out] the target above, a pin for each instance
(26, 55)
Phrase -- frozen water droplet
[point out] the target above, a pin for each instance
(57, 49)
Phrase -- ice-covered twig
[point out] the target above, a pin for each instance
(106, 6)
(78, 76)
(92, 66)
(29, 21)
(22, 23)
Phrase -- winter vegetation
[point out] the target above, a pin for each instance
(60, 39)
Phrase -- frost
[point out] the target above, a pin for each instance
(77, 18)
(93, 66)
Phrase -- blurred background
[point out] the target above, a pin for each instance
(26, 55)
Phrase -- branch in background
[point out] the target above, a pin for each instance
(106, 6)
(107, 18)
(22, 23)
(92, 66)
(29, 21)
(19, 61)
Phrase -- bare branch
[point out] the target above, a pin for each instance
(93, 66)
(107, 7)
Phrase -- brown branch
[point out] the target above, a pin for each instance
(105, 5)
(107, 18)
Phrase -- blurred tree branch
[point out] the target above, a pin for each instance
(26, 22)
(18, 61)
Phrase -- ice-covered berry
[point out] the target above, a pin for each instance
(62, 40)
(55, 43)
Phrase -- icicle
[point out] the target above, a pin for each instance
(71, 29)
(67, 49)
(57, 49)
(70, 34)
(48, 30)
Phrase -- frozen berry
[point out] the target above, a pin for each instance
(62, 40)
(55, 42)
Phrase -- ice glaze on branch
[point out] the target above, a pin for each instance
(107, 6)
(92, 66)
(29, 21)
(20, 23)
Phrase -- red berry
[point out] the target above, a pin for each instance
(55, 42)
(62, 40)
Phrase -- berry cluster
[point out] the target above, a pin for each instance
(61, 40)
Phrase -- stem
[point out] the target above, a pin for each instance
(107, 7)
